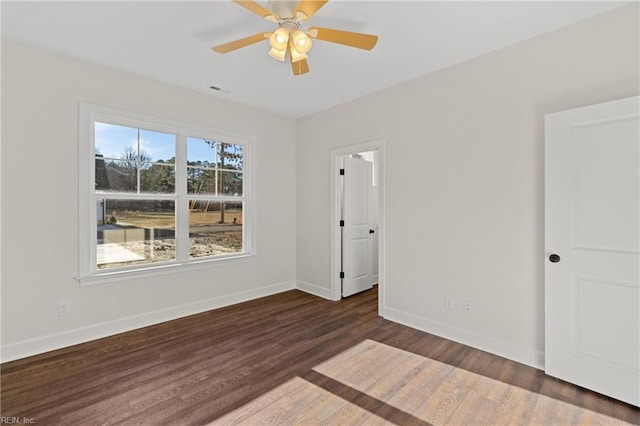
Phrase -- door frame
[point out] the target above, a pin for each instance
(335, 155)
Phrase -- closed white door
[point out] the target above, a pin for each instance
(592, 264)
(356, 239)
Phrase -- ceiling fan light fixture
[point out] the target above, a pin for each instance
(295, 54)
(279, 39)
(301, 41)
(278, 54)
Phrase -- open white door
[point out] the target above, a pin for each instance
(592, 265)
(356, 240)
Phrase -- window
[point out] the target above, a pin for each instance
(155, 194)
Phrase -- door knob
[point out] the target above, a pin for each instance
(554, 258)
(371, 231)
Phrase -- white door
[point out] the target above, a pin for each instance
(356, 239)
(592, 264)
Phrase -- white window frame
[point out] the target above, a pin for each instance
(89, 274)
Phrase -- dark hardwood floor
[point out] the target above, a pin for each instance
(205, 367)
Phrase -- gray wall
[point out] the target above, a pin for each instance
(464, 179)
(40, 96)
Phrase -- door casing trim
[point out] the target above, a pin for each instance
(334, 173)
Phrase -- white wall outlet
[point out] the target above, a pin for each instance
(448, 302)
(64, 308)
(467, 306)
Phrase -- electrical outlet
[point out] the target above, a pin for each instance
(448, 302)
(64, 308)
(467, 306)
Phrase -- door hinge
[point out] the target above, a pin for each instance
(341, 275)
(342, 223)
(341, 172)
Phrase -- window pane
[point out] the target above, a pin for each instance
(215, 228)
(116, 175)
(230, 183)
(230, 156)
(157, 147)
(114, 141)
(157, 178)
(134, 232)
(201, 181)
(125, 159)
(201, 152)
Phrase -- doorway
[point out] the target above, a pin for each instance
(372, 152)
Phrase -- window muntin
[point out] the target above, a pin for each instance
(162, 195)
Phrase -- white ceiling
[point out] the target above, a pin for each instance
(171, 42)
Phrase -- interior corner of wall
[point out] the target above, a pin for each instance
(315, 289)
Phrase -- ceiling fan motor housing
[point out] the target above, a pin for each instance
(283, 8)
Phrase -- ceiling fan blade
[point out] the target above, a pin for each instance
(307, 8)
(237, 44)
(258, 9)
(359, 40)
(300, 67)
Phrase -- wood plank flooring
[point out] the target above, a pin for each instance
(291, 358)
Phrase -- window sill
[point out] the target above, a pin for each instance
(146, 271)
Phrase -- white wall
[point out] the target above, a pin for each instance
(464, 179)
(40, 95)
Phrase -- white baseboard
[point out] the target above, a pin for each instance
(314, 289)
(501, 348)
(54, 341)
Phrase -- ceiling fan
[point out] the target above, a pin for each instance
(290, 39)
